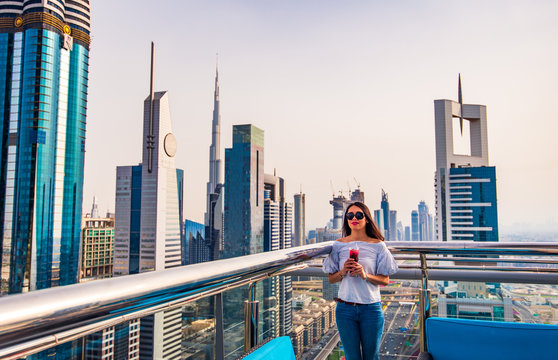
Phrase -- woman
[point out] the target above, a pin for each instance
(359, 315)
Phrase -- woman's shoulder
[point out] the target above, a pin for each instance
(376, 246)
(339, 244)
(343, 240)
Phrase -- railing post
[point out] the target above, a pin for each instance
(251, 309)
(424, 303)
(219, 328)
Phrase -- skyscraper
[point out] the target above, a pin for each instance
(244, 219)
(194, 247)
(44, 62)
(340, 204)
(299, 219)
(244, 184)
(278, 215)
(386, 217)
(425, 222)
(148, 219)
(400, 231)
(466, 207)
(379, 219)
(393, 225)
(214, 207)
(415, 231)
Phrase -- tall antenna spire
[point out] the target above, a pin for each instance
(217, 74)
(215, 177)
(460, 99)
(150, 136)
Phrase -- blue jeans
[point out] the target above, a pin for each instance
(360, 328)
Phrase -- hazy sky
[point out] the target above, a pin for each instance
(342, 89)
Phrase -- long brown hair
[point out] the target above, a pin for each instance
(371, 227)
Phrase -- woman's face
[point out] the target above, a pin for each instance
(355, 218)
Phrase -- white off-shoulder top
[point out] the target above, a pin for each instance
(374, 257)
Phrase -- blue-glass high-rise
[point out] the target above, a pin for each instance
(244, 222)
(44, 62)
(386, 216)
(425, 222)
(244, 190)
(415, 232)
(473, 203)
(193, 244)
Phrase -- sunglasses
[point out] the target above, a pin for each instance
(359, 215)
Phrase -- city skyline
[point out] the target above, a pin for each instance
(307, 84)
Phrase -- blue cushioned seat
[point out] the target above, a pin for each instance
(460, 339)
(279, 348)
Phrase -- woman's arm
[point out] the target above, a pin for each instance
(338, 276)
(377, 279)
(358, 270)
(335, 277)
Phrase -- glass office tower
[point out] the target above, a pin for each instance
(473, 202)
(299, 219)
(244, 186)
(278, 221)
(244, 222)
(44, 61)
(385, 212)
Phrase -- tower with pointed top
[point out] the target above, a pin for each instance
(465, 185)
(386, 216)
(94, 209)
(214, 205)
(149, 220)
(215, 177)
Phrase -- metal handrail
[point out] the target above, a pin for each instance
(41, 319)
(474, 248)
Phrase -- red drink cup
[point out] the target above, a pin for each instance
(353, 253)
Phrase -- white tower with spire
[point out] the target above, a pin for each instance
(94, 209)
(214, 206)
(451, 220)
(148, 223)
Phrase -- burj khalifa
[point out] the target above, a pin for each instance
(215, 192)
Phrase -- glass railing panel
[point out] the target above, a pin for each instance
(527, 303)
(233, 319)
(69, 350)
(401, 337)
(192, 328)
(187, 332)
(198, 329)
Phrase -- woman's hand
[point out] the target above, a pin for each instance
(348, 266)
(358, 270)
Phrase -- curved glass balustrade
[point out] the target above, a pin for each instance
(488, 281)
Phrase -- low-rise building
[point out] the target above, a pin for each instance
(311, 323)
(97, 248)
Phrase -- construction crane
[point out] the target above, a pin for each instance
(358, 184)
